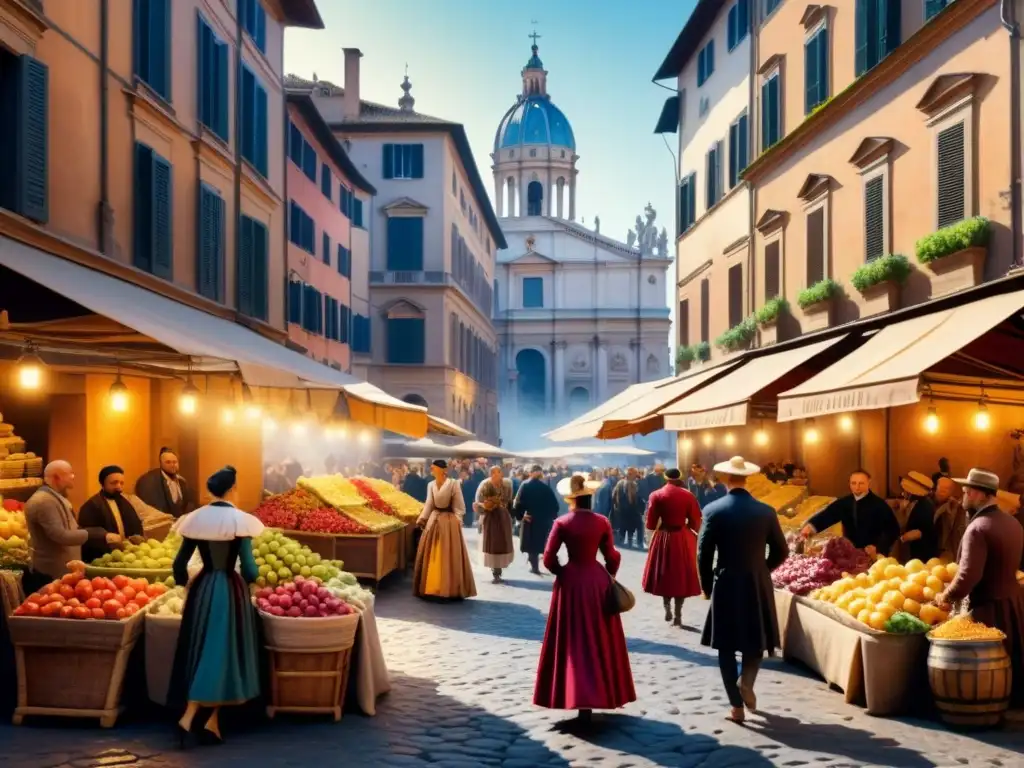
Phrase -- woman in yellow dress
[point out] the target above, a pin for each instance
(442, 561)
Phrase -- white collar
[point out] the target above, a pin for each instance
(862, 496)
(218, 522)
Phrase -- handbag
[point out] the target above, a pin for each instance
(619, 599)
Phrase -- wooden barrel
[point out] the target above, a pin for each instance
(970, 681)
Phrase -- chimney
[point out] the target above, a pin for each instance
(351, 103)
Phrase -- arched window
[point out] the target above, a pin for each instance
(414, 399)
(406, 334)
(579, 401)
(531, 381)
(653, 364)
(534, 198)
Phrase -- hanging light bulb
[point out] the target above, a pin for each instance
(761, 438)
(227, 416)
(365, 437)
(188, 400)
(846, 423)
(269, 426)
(341, 432)
(687, 444)
(30, 369)
(709, 439)
(730, 441)
(298, 429)
(982, 418)
(811, 434)
(118, 395)
(931, 421)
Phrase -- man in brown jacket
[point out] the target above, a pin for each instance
(53, 531)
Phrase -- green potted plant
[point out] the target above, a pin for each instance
(818, 302)
(767, 319)
(702, 351)
(955, 255)
(684, 358)
(739, 336)
(879, 283)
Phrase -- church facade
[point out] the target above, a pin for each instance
(579, 316)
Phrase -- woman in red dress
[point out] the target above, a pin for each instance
(584, 664)
(671, 570)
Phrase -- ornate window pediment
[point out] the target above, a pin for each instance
(403, 308)
(946, 90)
(814, 186)
(405, 206)
(770, 221)
(871, 150)
(813, 15)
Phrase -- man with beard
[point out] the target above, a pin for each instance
(628, 510)
(164, 489)
(111, 511)
(537, 508)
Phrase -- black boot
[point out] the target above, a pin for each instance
(667, 601)
(677, 621)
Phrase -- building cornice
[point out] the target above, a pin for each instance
(694, 274)
(951, 19)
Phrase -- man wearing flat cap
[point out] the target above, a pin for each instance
(111, 511)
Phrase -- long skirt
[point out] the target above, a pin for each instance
(217, 659)
(442, 561)
(584, 663)
(671, 569)
(1007, 615)
(496, 544)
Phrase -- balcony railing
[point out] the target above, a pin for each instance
(481, 296)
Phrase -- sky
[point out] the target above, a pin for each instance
(465, 58)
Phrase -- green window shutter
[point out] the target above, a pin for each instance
(417, 161)
(211, 243)
(811, 74)
(142, 226)
(262, 139)
(889, 27)
(243, 272)
(260, 271)
(389, 161)
(862, 36)
(163, 223)
(32, 141)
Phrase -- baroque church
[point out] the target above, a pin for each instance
(579, 315)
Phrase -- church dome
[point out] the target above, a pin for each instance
(534, 120)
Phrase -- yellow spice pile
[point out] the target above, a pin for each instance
(965, 628)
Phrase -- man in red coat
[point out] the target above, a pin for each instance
(671, 570)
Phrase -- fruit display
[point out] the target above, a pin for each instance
(803, 574)
(760, 486)
(783, 497)
(401, 505)
(300, 510)
(346, 587)
(76, 597)
(903, 623)
(887, 587)
(281, 560)
(966, 629)
(334, 490)
(325, 520)
(14, 552)
(150, 555)
(173, 604)
(797, 518)
(302, 598)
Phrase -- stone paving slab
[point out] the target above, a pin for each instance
(462, 686)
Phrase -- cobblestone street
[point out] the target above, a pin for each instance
(462, 679)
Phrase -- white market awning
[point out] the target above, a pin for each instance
(887, 370)
(586, 426)
(565, 451)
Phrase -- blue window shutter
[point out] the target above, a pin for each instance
(309, 234)
(932, 7)
(862, 35)
(357, 212)
(734, 150)
(32, 140)
(295, 301)
(243, 271)
(325, 309)
(221, 112)
(143, 208)
(160, 46)
(140, 26)
(416, 243)
(326, 186)
(406, 340)
(692, 199)
(203, 73)
(405, 244)
(327, 248)
(417, 161)
(731, 26)
(261, 130)
(710, 64)
(210, 239)
(811, 74)
(743, 145)
(889, 17)
(260, 270)
(163, 253)
(389, 161)
(823, 46)
(295, 141)
(341, 259)
(260, 36)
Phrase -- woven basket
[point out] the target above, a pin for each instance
(300, 634)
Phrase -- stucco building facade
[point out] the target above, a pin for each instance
(579, 315)
(432, 253)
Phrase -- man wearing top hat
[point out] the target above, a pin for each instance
(989, 556)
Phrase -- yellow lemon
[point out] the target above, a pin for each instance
(886, 609)
(877, 621)
(913, 566)
(894, 598)
(912, 607)
(920, 577)
(935, 584)
(895, 582)
(856, 606)
(892, 571)
(929, 594)
(864, 616)
(913, 590)
(951, 570)
(933, 562)
(929, 614)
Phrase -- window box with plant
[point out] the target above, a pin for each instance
(739, 336)
(818, 302)
(955, 255)
(694, 353)
(879, 282)
(767, 319)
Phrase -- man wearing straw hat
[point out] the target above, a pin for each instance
(989, 555)
(742, 619)
(919, 539)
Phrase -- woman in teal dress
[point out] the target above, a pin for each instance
(216, 663)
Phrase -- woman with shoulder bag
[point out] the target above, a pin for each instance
(584, 664)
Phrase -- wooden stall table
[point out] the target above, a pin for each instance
(366, 556)
(877, 670)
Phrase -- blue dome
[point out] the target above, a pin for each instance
(534, 120)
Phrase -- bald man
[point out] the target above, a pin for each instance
(54, 533)
(950, 518)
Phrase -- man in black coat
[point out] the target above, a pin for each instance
(742, 618)
(111, 511)
(537, 507)
(415, 485)
(164, 489)
(867, 520)
(651, 482)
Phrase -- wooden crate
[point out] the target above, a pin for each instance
(308, 682)
(366, 556)
(70, 668)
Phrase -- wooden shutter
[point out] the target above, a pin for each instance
(389, 161)
(262, 139)
(874, 219)
(815, 246)
(211, 243)
(734, 149)
(295, 301)
(952, 194)
(162, 218)
(811, 74)
(735, 295)
(683, 323)
(31, 141)
(772, 271)
(417, 161)
(862, 35)
(143, 208)
(705, 310)
(743, 144)
(243, 271)
(327, 248)
(889, 26)
(260, 271)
